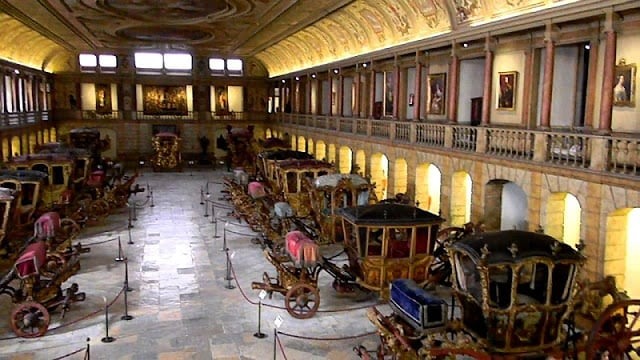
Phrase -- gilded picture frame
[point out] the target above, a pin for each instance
(436, 93)
(624, 87)
(507, 90)
(103, 99)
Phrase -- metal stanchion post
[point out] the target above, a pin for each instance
(119, 258)
(224, 237)
(213, 212)
(126, 315)
(87, 353)
(207, 192)
(259, 334)
(135, 216)
(215, 228)
(126, 275)
(106, 338)
(152, 205)
(129, 208)
(206, 208)
(148, 191)
(201, 196)
(229, 277)
(130, 240)
(275, 339)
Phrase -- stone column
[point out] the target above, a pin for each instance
(608, 75)
(591, 83)
(396, 89)
(372, 92)
(547, 82)
(454, 69)
(488, 77)
(307, 96)
(417, 89)
(340, 95)
(356, 86)
(331, 99)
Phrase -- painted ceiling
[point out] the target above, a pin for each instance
(286, 36)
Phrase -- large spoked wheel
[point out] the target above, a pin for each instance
(54, 264)
(302, 301)
(30, 319)
(616, 334)
(440, 268)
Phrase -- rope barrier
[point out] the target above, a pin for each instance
(70, 354)
(280, 346)
(222, 205)
(326, 339)
(99, 242)
(239, 233)
(244, 295)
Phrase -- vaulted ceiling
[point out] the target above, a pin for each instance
(286, 36)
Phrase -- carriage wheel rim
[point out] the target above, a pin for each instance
(611, 334)
(299, 297)
(39, 323)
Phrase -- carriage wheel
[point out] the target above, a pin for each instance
(30, 319)
(616, 334)
(99, 208)
(52, 266)
(302, 301)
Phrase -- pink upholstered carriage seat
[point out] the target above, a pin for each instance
(256, 190)
(301, 248)
(96, 178)
(46, 225)
(31, 259)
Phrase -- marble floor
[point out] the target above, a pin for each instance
(180, 303)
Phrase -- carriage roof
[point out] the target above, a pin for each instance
(389, 215)
(512, 246)
(53, 157)
(332, 180)
(60, 148)
(22, 175)
(284, 155)
(166, 135)
(85, 130)
(273, 142)
(303, 164)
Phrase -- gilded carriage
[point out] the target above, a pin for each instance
(512, 297)
(329, 193)
(268, 159)
(292, 181)
(167, 155)
(82, 161)
(59, 168)
(6, 205)
(27, 185)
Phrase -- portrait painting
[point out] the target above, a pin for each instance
(507, 86)
(164, 100)
(222, 100)
(388, 93)
(103, 99)
(624, 88)
(436, 93)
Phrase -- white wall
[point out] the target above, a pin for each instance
(236, 100)
(379, 87)
(471, 86)
(565, 84)
(411, 89)
(87, 96)
(326, 98)
(514, 208)
(506, 62)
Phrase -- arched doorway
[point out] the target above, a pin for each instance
(346, 158)
(563, 218)
(6, 149)
(15, 146)
(379, 174)
(53, 134)
(268, 133)
(622, 244)
(428, 184)
(331, 154)
(24, 149)
(360, 165)
(40, 139)
(302, 144)
(321, 150)
(310, 147)
(32, 142)
(400, 177)
(45, 136)
(505, 206)
(460, 198)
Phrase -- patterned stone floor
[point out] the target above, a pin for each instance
(180, 305)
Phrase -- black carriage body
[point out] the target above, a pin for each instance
(515, 288)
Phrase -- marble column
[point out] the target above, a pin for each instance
(488, 80)
(452, 103)
(547, 81)
(417, 89)
(331, 98)
(340, 95)
(608, 77)
(591, 83)
(372, 92)
(396, 90)
(356, 101)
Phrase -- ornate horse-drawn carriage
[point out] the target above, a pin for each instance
(27, 185)
(382, 241)
(512, 297)
(167, 156)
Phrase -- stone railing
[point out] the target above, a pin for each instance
(11, 120)
(605, 153)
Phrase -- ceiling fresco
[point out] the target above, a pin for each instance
(286, 35)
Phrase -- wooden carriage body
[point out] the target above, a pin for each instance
(59, 168)
(6, 205)
(167, 154)
(389, 241)
(331, 192)
(82, 161)
(268, 160)
(292, 179)
(27, 185)
(515, 289)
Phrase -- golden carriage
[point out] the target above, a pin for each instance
(167, 155)
(27, 185)
(512, 297)
(59, 168)
(292, 180)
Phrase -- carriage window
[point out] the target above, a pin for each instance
(9, 185)
(363, 197)
(467, 275)
(399, 242)
(562, 282)
(58, 175)
(422, 241)
(324, 172)
(292, 182)
(532, 283)
(500, 278)
(42, 168)
(79, 173)
(374, 243)
(28, 190)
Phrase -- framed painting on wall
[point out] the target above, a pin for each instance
(388, 93)
(103, 99)
(507, 86)
(624, 90)
(164, 100)
(436, 93)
